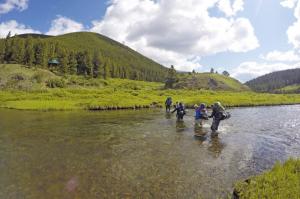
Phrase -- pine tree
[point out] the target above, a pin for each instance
(96, 64)
(2, 53)
(89, 64)
(171, 77)
(107, 69)
(8, 48)
(21, 51)
(14, 51)
(63, 60)
(72, 63)
(41, 54)
(82, 63)
(29, 52)
(226, 73)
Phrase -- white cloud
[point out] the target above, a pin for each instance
(175, 31)
(293, 31)
(62, 25)
(280, 56)
(9, 5)
(249, 70)
(289, 3)
(15, 28)
(230, 9)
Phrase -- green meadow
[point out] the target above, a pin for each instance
(130, 95)
(283, 181)
(27, 88)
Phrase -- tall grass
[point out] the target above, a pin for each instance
(136, 96)
(282, 182)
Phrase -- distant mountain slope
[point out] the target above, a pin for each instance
(210, 81)
(275, 81)
(113, 58)
(289, 89)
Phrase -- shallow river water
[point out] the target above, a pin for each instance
(139, 154)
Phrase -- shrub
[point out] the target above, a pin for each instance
(17, 77)
(56, 83)
(40, 76)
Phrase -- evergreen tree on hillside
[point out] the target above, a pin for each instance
(106, 69)
(96, 64)
(171, 77)
(21, 51)
(72, 63)
(41, 54)
(115, 60)
(82, 63)
(2, 53)
(8, 48)
(14, 51)
(29, 52)
(225, 73)
(89, 64)
(212, 70)
(63, 60)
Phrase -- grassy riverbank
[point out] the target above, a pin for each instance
(126, 94)
(283, 181)
(27, 88)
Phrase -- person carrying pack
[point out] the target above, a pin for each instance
(168, 104)
(218, 114)
(180, 111)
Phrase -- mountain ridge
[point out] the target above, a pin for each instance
(274, 82)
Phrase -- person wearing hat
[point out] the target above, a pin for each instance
(200, 114)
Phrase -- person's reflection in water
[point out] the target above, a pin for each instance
(180, 126)
(216, 146)
(200, 134)
(168, 116)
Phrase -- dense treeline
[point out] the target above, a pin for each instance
(276, 80)
(90, 62)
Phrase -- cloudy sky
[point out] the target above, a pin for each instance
(248, 38)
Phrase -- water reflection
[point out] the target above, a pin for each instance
(216, 146)
(180, 126)
(168, 115)
(138, 154)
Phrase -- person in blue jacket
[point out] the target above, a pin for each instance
(168, 104)
(200, 114)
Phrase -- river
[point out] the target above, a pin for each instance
(139, 154)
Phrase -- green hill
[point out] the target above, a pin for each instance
(82, 53)
(289, 89)
(280, 81)
(210, 81)
(14, 76)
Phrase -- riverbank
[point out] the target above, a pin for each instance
(281, 182)
(109, 98)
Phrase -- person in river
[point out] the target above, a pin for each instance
(218, 114)
(180, 111)
(200, 114)
(168, 104)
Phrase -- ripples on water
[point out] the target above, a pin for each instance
(139, 154)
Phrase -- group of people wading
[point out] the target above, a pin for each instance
(218, 113)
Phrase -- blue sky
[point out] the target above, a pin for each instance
(248, 38)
